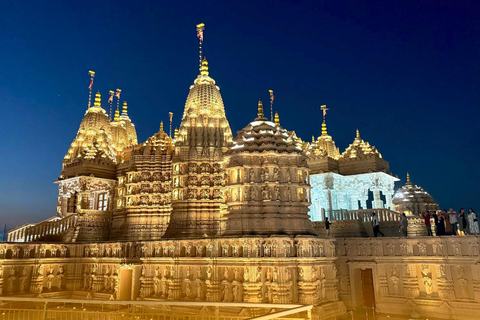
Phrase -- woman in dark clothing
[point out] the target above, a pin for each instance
(462, 221)
(441, 224)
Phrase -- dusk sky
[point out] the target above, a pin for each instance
(405, 73)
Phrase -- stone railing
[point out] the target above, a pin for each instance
(358, 223)
(44, 230)
(365, 215)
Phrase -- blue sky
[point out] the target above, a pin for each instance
(405, 73)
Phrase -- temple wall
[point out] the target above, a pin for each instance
(436, 277)
(432, 276)
(275, 269)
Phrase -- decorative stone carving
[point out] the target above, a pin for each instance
(427, 279)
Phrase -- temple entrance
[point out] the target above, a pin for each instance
(368, 292)
(125, 290)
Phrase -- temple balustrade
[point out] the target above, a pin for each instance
(49, 229)
(358, 223)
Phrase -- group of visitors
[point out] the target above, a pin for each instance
(452, 223)
(445, 223)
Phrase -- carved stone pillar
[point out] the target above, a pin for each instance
(252, 285)
(410, 281)
(146, 284)
(388, 198)
(282, 285)
(377, 202)
(174, 286)
(36, 284)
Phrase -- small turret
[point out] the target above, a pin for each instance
(204, 67)
(277, 119)
(98, 100)
(117, 116)
(260, 110)
(125, 109)
(324, 129)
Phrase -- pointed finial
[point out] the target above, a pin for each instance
(313, 139)
(277, 119)
(358, 134)
(98, 100)
(204, 68)
(408, 177)
(161, 126)
(117, 116)
(260, 109)
(124, 109)
(176, 133)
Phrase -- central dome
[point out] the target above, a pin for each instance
(263, 135)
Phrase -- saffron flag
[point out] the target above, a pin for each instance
(110, 99)
(324, 109)
(200, 28)
(272, 97)
(117, 95)
(92, 75)
(171, 116)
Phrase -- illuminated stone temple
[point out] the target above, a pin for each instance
(208, 223)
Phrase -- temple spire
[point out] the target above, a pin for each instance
(260, 109)
(277, 119)
(204, 67)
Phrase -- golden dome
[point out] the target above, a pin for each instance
(413, 199)
(263, 135)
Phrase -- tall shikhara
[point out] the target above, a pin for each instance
(198, 169)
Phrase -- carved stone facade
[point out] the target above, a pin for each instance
(198, 163)
(268, 190)
(143, 196)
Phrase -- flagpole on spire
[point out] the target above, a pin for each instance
(170, 114)
(200, 28)
(117, 95)
(110, 100)
(92, 75)
(272, 97)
